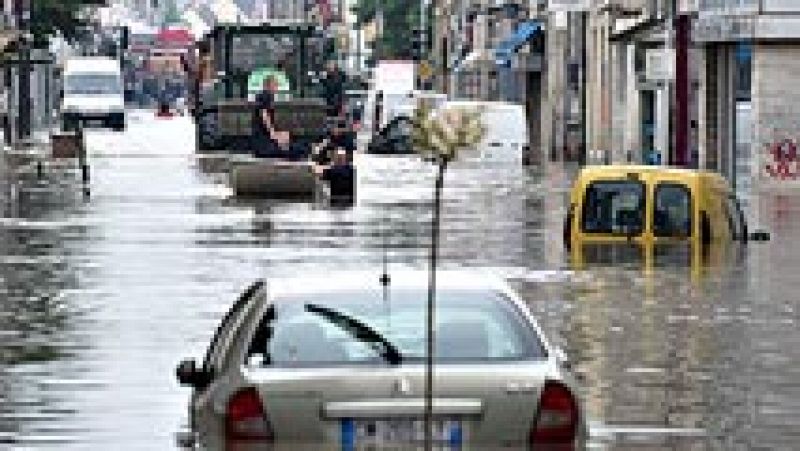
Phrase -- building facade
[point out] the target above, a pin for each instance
(694, 83)
(491, 50)
(28, 95)
(710, 84)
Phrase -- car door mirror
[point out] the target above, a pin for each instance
(759, 235)
(561, 357)
(189, 375)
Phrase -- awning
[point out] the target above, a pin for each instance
(524, 32)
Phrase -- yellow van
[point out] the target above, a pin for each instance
(651, 205)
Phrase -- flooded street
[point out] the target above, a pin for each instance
(103, 296)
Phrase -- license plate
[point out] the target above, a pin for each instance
(447, 433)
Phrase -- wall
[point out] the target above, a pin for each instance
(776, 113)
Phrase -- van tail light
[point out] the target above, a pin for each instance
(246, 419)
(556, 421)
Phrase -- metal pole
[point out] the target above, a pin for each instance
(379, 37)
(682, 90)
(23, 124)
(423, 47)
(83, 161)
(227, 49)
(431, 320)
(584, 20)
(359, 67)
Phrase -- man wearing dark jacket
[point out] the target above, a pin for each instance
(267, 142)
(341, 178)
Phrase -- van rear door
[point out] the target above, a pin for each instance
(506, 133)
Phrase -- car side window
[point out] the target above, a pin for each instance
(672, 210)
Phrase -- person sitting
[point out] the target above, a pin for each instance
(267, 141)
(340, 176)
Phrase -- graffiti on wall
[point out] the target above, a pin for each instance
(783, 163)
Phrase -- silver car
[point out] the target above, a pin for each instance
(338, 362)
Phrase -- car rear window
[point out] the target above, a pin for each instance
(471, 328)
(615, 207)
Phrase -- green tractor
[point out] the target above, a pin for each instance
(234, 61)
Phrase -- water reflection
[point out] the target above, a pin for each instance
(696, 261)
(41, 321)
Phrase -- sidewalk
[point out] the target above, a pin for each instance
(20, 162)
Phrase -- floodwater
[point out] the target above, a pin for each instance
(102, 296)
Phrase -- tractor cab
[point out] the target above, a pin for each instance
(234, 61)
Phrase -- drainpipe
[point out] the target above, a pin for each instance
(682, 26)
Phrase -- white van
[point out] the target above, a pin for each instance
(506, 125)
(93, 92)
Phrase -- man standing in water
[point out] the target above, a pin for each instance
(340, 176)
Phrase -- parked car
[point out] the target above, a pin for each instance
(337, 362)
(393, 139)
(647, 205)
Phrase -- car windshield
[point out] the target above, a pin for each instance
(472, 327)
(614, 207)
(92, 84)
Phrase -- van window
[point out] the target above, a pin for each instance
(614, 207)
(672, 211)
(735, 218)
(92, 84)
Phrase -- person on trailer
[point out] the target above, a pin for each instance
(267, 141)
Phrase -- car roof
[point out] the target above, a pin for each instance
(618, 170)
(404, 279)
(91, 64)
(621, 168)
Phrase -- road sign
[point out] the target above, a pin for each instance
(659, 64)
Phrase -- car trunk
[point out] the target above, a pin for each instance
(481, 405)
